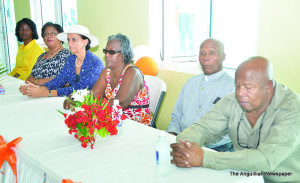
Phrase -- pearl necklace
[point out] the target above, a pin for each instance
(78, 65)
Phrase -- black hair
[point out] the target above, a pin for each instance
(56, 26)
(88, 46)
(32, 26)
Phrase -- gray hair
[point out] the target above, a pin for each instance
(126, 48)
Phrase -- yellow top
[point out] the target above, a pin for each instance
(25, 60)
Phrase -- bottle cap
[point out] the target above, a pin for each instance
(116, 102)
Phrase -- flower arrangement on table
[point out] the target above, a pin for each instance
(91, 116)
(2, 71)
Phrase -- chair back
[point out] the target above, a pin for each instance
(157, 90)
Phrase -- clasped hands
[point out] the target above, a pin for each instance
(187, 154)
(32, 90)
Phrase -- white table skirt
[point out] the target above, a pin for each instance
(47, 151)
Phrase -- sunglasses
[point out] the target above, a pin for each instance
(49, 34)
(111, 52)
(238, 127)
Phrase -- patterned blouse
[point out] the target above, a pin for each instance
(89, 74)
(138, 110)
(48, 68)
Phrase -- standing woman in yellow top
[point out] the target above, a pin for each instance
(29, 51)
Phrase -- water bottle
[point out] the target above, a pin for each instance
(2, 89)
(118, 113)
(163, 157)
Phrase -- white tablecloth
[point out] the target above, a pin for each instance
(48, 152)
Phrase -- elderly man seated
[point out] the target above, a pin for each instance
(263, 122)
(203, 91)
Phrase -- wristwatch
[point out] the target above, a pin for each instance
(49, 94)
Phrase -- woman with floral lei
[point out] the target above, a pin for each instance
(123, 81)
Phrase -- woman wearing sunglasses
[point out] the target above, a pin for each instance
(49, 63)
(123, 81)
(82, 69)
(29, 51)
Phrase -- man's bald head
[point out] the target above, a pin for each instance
(211, 56)
(254, 85)
(259, 66)
(218, 44)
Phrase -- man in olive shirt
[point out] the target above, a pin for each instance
(263, 122)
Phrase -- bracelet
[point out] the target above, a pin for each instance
(49, 94)
(36, 81)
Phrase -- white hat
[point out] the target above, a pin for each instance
(78, 29)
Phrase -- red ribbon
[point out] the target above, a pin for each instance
(7, 154)
(68, 181)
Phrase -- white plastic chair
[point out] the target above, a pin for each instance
(157, 90)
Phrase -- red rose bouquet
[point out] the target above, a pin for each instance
(91, 116)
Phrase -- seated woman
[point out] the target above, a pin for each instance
(29, 51)
(82, 69)
(49, 63)
(122, 81)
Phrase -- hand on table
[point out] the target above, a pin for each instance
(67, 103)
(30, 80)
(23, 89)
(173, 133)
(187, 154)
(35, 91)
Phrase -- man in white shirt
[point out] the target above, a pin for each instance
(202, 91)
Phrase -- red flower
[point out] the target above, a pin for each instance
(93, 117)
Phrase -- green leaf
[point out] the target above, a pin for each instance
(103, 132)
(86, 100)
(105, 105)
(77, 104)
(83, 131)
(3, 72)
(60, 112)
(91, 99)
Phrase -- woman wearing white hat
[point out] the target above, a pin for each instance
(81, 70)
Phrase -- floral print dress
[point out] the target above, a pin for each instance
(138, 110)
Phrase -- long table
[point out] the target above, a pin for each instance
(48, 153)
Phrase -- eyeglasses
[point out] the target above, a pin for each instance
(238, 127)
(111, 52)
(49, 34)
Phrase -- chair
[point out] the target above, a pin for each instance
(157, 90)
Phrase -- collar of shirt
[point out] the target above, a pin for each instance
(214, 76)
(283, 97)
(29, 45)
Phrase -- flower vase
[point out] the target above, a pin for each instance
(85, 139)
(2, 89)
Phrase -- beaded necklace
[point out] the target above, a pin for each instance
(50, 55)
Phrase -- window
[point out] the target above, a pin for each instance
(63, 12)
(185, 24)
(9, 45)
(69, 11)
(235, 23)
